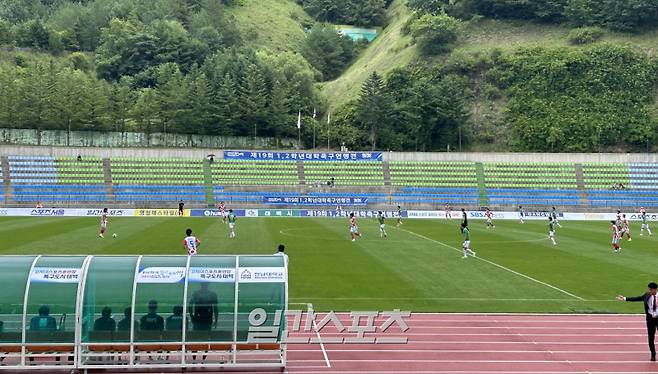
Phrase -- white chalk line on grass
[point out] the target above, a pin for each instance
(496, 265)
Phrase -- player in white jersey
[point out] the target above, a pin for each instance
(354, 228)
(103, 223)
(626, 228)
(222, 211)
(448, 209)
(615, 236)
(190, 243)
(489, 215)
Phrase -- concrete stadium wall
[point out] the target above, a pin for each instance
(24, 150)
(523, 157)
(6, 150)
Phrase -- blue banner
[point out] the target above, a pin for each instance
(345, 214)
(214, 212)
(302, 156)
(314, 200)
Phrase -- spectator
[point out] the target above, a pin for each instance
(79, 158)
(44, 321)
(105, 322)
(152, 321)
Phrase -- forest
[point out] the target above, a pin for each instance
(188, 66)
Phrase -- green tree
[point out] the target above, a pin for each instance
(435, 34)
(254, 99)
(228, 111)
(372, 108)
(329, 52)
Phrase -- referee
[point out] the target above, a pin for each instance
(650, 301)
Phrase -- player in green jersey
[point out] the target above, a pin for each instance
(551, 230)
(231, 223)
(466, 246)
(382, 225)
(554, 217)
(521, 213)
(645, 222)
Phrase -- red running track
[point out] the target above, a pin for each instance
(479, 343)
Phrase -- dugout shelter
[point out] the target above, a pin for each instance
(131, 312)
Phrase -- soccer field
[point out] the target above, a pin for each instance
(418, 267)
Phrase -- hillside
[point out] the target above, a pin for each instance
(391, 49)
(276, 25)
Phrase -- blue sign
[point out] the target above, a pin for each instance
(214, 213)
(302, 156)
(314, 200)
(345, 214)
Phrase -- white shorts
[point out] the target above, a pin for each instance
(467, 244)
(645, 225)
(354, 229)
(551, 234)
(104, 226)
(382, 226)
(489, 221)
(231, 225)
(615, 240)
(223, 214)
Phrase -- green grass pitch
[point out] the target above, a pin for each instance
(418, 267)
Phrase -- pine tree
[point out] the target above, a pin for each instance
(254, 98)
(372, 108)
(227, 110)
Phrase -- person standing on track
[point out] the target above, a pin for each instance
(464, 217)
(399, 222)
(650, 312)
(181, 205)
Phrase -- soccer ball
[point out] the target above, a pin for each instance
(114, 235)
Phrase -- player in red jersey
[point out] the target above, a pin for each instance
(626, 228)
(190, 243)
(354, 229)
(339, 211)
(103, 223)
(222, 211)
(615, 236)
(489, 216)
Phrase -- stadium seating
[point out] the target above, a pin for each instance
(642, 176)
(46, 179)
(352, 173)
(603, 176)
(157, 171)
(160, 193)
(433, 174)
(436, 196)
(528, 197)
(618, 199)
(547, 176)
(239, 172)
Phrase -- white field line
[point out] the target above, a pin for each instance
(497, 265)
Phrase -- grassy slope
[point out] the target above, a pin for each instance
(389, 50)
(409, 270)
(271, 24)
